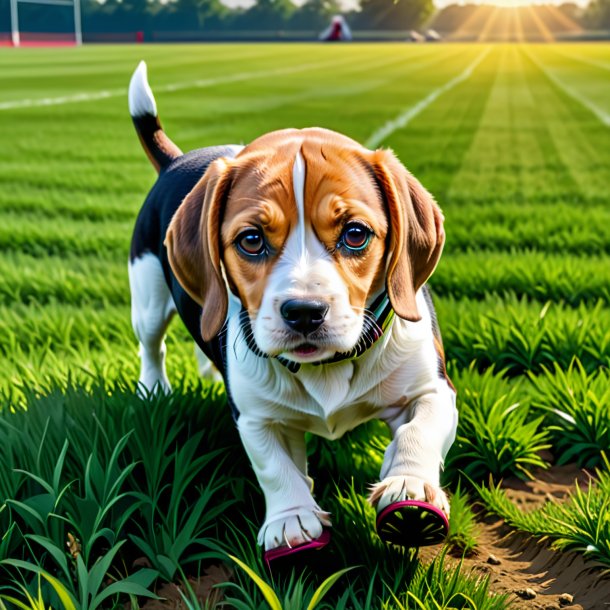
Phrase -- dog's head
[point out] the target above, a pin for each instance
(305, 227)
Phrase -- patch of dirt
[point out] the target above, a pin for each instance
(521, 565)
(553, 484)
(202, 587)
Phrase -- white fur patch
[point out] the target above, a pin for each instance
(298, 184)
(141, 98)
(152, 307)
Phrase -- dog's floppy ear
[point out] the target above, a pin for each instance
(416, 235)
(193, 246)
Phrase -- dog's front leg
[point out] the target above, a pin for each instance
(422, 435)
(279, 460)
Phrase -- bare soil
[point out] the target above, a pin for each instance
(517, 562)
(202, 588)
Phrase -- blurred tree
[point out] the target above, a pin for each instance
(266, 15)
(201, 13)
(598, 14)
(314, 14)
(393, 14)
(571, 10)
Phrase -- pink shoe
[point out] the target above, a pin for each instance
(286, 551)
(412, 523)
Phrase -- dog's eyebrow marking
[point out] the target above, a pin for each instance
(298, 184)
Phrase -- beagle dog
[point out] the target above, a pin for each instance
(298, 265)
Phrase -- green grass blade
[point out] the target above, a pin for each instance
(268, 593)
(323, 589)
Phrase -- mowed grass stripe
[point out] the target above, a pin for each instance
(204, 66)
(207, 66)
(585, 60)
(516, 336)
(29, 234)
(520, 336)
(407, 80)
(433, 145)
(94, 96)
(91, 281)
(489, 223)
(580, 141)
(74, 279)
(588, 98)
(527, 146)
(73, 66)
(540, 276)
(511, 155)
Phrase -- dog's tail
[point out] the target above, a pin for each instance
(143, 109)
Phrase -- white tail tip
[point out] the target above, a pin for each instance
(141, 98)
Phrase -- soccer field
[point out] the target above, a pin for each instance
(513, 141)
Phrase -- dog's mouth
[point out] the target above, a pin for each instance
(305, 349)
(307, 352)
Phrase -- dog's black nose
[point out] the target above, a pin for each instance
(304, 316)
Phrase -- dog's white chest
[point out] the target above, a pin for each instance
(331, 399)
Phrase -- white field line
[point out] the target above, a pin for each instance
(601, 114)
(171, 87)
(405, 117)
(585, 60)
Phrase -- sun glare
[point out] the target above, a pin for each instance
(514, 20)
(512, 3)
(508, 3)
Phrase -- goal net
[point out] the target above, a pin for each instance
(29, 23)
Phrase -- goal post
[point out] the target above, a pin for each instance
(14, 7)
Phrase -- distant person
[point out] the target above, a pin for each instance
(337, 30)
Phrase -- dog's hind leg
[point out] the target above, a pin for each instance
(152, 307)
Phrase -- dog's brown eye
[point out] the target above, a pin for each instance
(355, 237)
(251, 242)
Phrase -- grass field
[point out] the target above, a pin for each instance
(514, 142)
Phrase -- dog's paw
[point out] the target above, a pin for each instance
(293, 528)
(396, 489)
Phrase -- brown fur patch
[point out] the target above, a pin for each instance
(193, 248)
(417, 236)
